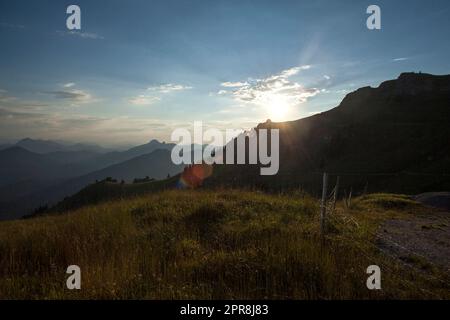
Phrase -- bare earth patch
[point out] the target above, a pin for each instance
(421, 240)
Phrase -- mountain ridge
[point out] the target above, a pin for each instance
(400, 126)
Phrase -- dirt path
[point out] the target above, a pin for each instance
(423, 240)
(439, 200)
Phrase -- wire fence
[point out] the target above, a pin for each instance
(348, 231)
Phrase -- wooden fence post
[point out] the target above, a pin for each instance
(349, 202)
(335, 195)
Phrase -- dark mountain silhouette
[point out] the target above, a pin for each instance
(391, 138)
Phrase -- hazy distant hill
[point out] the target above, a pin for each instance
(18, 164)
(115, 157)
(23, 172)
(4, 146)
(392, 138)
(156, 164)
(48, 146)
(29, 179)
(83, 158)
(39, 146)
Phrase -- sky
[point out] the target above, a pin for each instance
(139, 69)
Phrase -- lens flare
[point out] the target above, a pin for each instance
(193, 176)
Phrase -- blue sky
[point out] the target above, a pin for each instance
(139, 69)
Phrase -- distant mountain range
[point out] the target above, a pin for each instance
(48, 146)
(29, 179)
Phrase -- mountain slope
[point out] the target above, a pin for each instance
(391, 138)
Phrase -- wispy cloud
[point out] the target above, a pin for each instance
(71, 94)
(83, 35)
(234, 84)
(169, 87)
(143, 100)
(4, 97)
(9, 102)
(400, 59)
(75, 95)
(156, 92)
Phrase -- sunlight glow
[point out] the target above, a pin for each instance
(278, 106)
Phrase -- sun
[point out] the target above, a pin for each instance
(277, 107)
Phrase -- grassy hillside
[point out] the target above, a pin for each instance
(108, 190)
(205, 244)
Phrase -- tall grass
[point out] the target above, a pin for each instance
(204, 245)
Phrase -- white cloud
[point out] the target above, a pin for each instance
(233, 84)
(143, 100)
(68, 85)
(167, 88)
(275, 89)
(400, 59)
(327, 77)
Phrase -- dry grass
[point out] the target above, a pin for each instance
(206, 245)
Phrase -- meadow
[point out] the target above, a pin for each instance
(221, 244)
